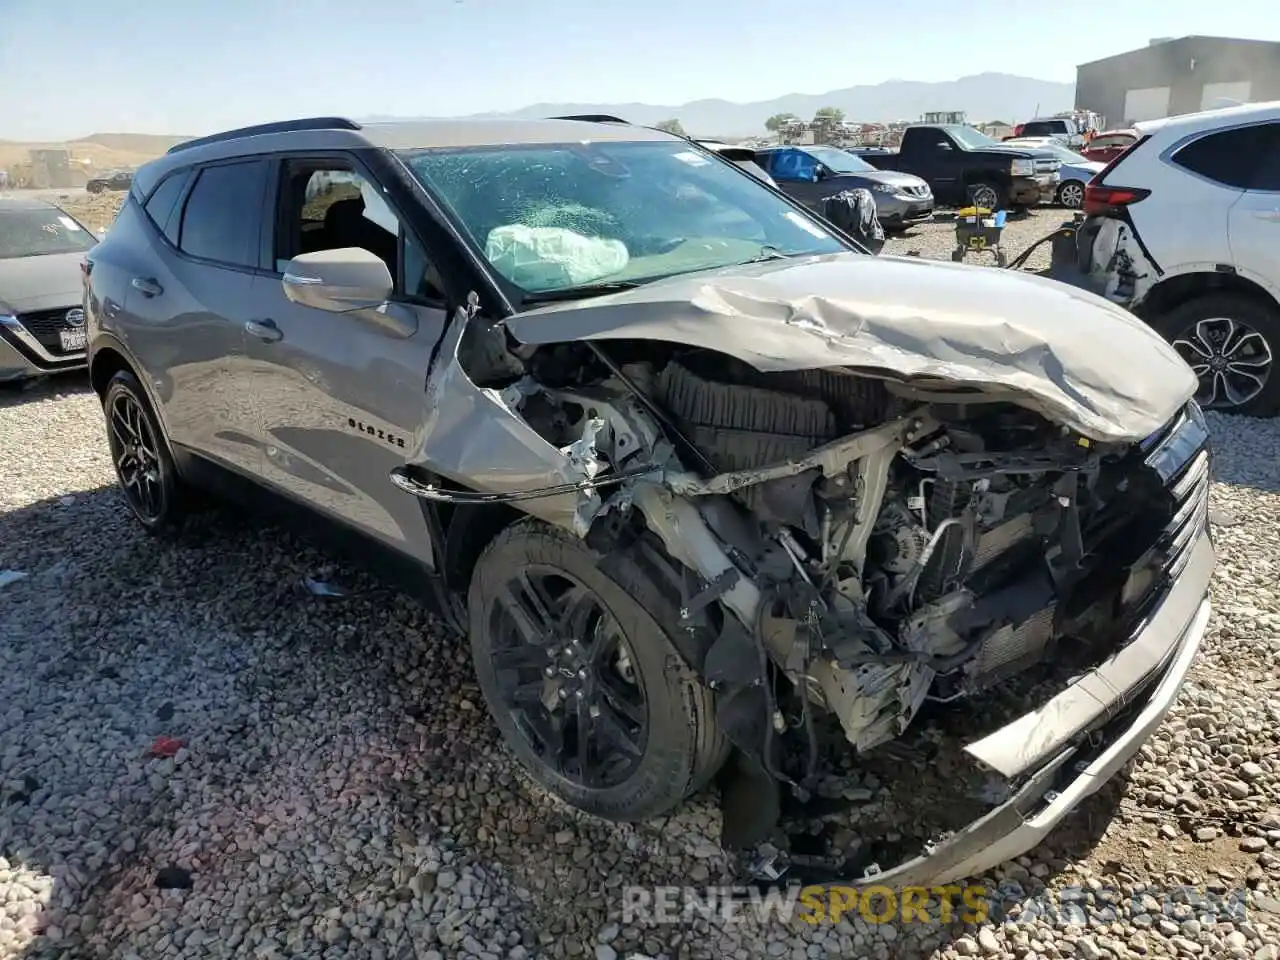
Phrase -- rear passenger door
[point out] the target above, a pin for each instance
(1186, 223)
(188, 302)
(1255, 219)
(342, 401)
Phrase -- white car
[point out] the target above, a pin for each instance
(1076, 171)
(1184, 229)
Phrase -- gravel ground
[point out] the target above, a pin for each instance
(339, 790)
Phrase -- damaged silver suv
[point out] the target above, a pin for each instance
(703, 483)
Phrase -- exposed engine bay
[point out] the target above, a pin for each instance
(852, 543)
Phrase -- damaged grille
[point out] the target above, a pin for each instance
(1179, 458)
(1182, 460)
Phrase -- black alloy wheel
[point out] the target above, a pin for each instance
(575, 653)
(140, 454)
(567, 677)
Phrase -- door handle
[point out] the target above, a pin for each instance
(1272, 215)
(146, 286)
(264, 330)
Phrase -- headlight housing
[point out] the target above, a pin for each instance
(883, 188)
(1022, 167)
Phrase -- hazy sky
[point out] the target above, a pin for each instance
(72, 67)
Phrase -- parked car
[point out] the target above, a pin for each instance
(1108, 145)
(41, 319)
(811, 174)
(1183, 229)
(115, 181)
(677, 460)
(1074, 173)
(744, 157)
(963, 165)
(1060, 128)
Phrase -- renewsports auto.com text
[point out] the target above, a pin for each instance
(940, 904)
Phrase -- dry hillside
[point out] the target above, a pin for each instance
(107, 151)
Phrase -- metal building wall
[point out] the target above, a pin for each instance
(1185, 67)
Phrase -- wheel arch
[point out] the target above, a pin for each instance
(468, 528)
(1179, 288)
(108, 359)
(106, 363)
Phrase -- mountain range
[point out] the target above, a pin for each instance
(983, 96)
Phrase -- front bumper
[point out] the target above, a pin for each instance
(1028, 191)
(23, 356)
(1121, 703)
(897, 211)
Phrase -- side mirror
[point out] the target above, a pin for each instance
(348, 280)
(819, 173)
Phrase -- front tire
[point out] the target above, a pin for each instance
(988, 195)
(140, 453)
(1071, 194)
(574, 656)
(1231, 342)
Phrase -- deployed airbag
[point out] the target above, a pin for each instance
(550, 258)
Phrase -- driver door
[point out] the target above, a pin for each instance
(341, 399)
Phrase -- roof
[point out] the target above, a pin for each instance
(12, 203)
(1208, 119)
(403, 135)
(335, 133)
(1196, 37)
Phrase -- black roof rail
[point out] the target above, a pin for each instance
(281, 126)
(593, 118)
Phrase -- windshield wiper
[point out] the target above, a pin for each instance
(581, 292)
(768, 252)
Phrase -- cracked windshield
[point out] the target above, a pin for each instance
(551, 218)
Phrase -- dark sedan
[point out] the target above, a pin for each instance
(810, 174)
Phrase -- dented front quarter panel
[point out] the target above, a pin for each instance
(473, 437)
(1070, 355)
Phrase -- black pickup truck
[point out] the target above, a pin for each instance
(964, 165)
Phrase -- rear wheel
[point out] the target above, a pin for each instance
(573, 653)
(1071, 194)
(1231, 342)
(140, 453)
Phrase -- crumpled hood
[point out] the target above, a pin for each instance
(40, 283)
(1079, 360)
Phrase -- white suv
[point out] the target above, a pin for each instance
(1184, 229)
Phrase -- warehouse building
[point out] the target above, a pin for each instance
(1171, 76)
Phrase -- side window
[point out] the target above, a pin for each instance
(793, 165)
(1267, 176)
(222, 214)
(327, 207)
(928, 143)
(163, 203)
(1230, 157)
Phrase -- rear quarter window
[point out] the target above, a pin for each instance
(223, 213)
(1234, 158)
(162, 205)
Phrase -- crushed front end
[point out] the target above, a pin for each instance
(856, 548)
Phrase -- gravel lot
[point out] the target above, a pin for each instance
(340, 791)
